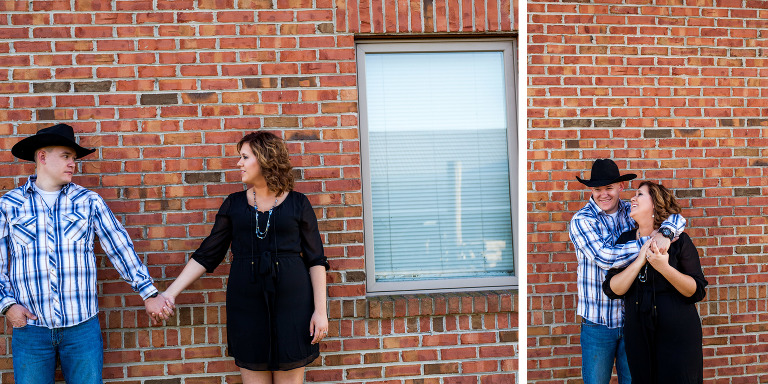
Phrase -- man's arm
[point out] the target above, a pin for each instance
(676, 223)
(6, 298)
(586, 236)
(16, 313)
(119, 248)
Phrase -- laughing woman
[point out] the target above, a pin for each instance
(276, 300)
(662, 326)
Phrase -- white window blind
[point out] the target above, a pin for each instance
(439, 165)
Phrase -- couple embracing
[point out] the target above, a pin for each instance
(639, 277)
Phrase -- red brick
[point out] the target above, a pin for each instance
(402, 370)
(364, 373)
(145, 370)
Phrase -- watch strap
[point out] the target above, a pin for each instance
(6, 308)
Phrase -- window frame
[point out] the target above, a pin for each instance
(508, 48)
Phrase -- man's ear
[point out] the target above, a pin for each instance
(40, 156)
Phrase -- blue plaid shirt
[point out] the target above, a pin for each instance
(47, 262)
(594, 233)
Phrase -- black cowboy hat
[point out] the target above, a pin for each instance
(604, 172)
(60, 135)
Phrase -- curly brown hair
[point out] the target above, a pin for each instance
(274, 160)
(664, 202)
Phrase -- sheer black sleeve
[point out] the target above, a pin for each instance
(214, 248)
(689, 264)
(311, 243)
(607, 283)
(625, 237)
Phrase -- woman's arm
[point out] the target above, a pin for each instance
(620, 282)
(684, 284)
(318, 326)
(316, 262)
(208, 256)
(192, 271)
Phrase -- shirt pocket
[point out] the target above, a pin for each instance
(24, 230)
(74, 225)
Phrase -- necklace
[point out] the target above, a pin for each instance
(644, 275)
(259, 233)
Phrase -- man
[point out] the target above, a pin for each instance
(594, 229)
(48, 267)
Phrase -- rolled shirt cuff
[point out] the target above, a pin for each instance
(148, 291)
(6, 303)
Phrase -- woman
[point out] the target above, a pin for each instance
(276, 300)
(662, 327)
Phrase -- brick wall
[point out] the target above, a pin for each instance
(675, 91)
(165, 89)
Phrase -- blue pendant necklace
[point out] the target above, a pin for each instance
(259, 233)
(640, 276)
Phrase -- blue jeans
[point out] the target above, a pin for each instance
(80, 350)
(600, 346)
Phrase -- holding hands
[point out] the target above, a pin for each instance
(159, 308)
(658, 259)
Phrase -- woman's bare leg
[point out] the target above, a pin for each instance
(294, 376)
(256, 377)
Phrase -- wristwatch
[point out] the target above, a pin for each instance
(666, 232)
(5, 310)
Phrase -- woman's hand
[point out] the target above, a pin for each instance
(170, 303)
(643, 253)
(659, 260)
(170, 300)
(318, 326)
(158, 308)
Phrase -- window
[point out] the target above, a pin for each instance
(437, 143)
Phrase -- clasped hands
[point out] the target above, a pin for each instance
(654, 251)
(160, 307)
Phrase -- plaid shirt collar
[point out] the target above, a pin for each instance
(29, 187)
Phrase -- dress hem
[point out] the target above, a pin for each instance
(281, 367)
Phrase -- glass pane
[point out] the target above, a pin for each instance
(439, 165)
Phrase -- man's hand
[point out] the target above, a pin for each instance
(662, 242)
(17, 314)
(658, 259)
(158, 308)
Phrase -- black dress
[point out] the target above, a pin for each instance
(269, 293)
(662, 328)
